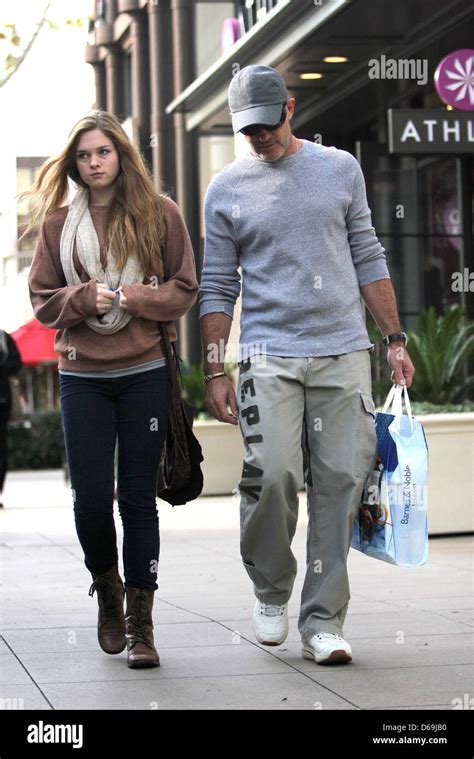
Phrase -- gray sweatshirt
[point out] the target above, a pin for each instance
(300, 230)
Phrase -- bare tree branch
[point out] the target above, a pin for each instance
(27, 49)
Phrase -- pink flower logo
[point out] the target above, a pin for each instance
(454, 79)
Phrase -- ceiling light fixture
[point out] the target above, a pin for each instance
(335, 59)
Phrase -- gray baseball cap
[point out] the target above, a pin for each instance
(256, 96)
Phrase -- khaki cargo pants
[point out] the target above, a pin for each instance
(332, 396)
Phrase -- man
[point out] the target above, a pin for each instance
(293, 216)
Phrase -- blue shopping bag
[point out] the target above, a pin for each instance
(392, 523)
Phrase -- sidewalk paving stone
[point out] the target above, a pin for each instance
(85, 639)
(387, 653)
(187, 661)
(399, 686)
(411, 629)
(270, 691)
(23, 697)
(12, 672)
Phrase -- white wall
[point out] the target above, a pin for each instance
(39, 105)
(209, 21)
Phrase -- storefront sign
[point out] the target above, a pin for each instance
(454, 79)
(418, 131)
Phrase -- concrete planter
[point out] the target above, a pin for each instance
(450, 439)
(223, 452)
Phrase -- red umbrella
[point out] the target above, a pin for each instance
(35, 343)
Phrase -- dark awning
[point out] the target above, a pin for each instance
(296, 36)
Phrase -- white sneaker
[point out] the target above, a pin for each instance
(327, 648)
(270, 623)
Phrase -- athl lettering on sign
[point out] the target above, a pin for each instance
(414, 130)
(449, 132)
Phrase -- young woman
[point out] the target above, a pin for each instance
(107, 268)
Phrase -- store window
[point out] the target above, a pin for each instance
(441, 217)
(418, 206)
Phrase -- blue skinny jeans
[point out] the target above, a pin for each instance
(97, 412)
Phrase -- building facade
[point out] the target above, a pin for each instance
(363, 76)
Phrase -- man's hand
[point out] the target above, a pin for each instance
(221, 400)
(400, 362)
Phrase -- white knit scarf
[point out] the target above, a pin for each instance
(79, 227)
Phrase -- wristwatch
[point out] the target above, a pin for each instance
(396, 337)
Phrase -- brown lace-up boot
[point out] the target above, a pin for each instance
(111, 624)
(140, 643)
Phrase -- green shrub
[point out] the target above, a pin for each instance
(37, 442)
(440, 350)
(194, 387)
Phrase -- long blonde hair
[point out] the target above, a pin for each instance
(135, 221)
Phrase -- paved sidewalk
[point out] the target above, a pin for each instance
(411, 629)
